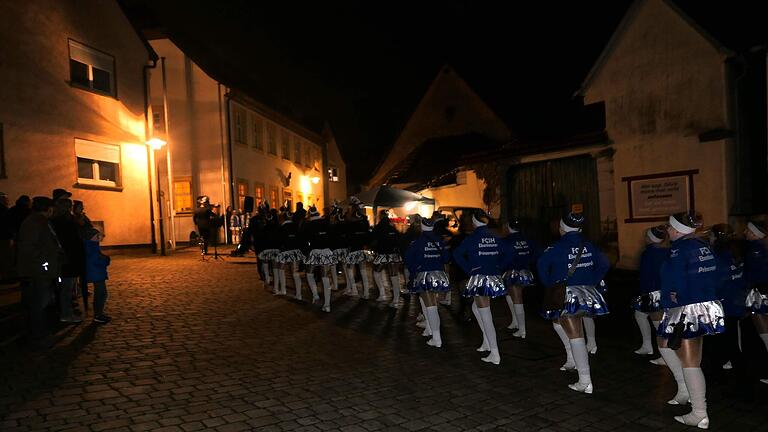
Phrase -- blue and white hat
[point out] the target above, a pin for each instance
(757, 228)
(684, 223)
(657, 234)
(513, 224)
(427, 224)
(313, 213)
(480, 218)
(572, 222)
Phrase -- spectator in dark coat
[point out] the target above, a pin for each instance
(96, 273)
(39, 257)
(6, 257)
(18, 213)
(68, 232)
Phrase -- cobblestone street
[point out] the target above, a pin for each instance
(203, 346)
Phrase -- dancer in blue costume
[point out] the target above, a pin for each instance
(582, 297)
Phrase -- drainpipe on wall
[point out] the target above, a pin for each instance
(231, 168)
(223, 151)
(147, 136)
(172, 236)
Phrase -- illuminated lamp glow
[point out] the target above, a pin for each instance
(410, 205)
(156, 143)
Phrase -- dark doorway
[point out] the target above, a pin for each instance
(539, 193)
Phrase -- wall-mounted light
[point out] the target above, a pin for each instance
(315, 180)
(156, 143)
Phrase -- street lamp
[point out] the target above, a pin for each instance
(156, 143)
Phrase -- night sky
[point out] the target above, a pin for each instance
(364, 66)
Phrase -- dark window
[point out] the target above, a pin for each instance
(102, 80)
(286, 144)
(107, 171)
(91, 69)
(84, 168)
(78, 73)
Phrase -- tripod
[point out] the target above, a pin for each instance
(203, 241)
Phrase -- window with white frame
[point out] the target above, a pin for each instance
(258, 136)
(239, 125)
(285, 144)
(333, 174)
(297, 150)
(98, 164)
(91, 69)
(271, 139)
(308, 153)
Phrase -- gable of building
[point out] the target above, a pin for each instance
(659, 75)
(449, 107)
(639, 11)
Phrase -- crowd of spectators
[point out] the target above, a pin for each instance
(51, 248)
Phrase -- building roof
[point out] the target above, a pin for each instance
(437, 160)
(730, 27)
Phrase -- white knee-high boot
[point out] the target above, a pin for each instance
(427, 329)
(297, 283)
(283, 288)
(511, 306)
(490, 332)
(326, 294)
(351, 284)
(395, 279)
(479, 319)
(312, 285)
(520, 313)
(364, 277)
(569, 363)
(589, 326)
(433, 318)
(697, 386)
(673, 362)
(378, 277)
(581, 358)
(265, 270)
(645, 331)
(276, 280)
(335, 278)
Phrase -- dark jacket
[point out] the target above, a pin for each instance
(427, 253)
(386, 238)
(483, 253)
(525, 251)
(317, 234)
(689, 275)
(650, 268)
(358, 234)
(38, 246)
(732, 287)
(554, 263)
(290, 238)
(95, 262)
(68, 232)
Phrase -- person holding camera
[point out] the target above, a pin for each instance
(571, 270)
(207, 222)
(689, 279)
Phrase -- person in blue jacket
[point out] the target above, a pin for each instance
(358, 234)
(732, 291)
(291, 255)
(96, 264)
(756, 275)
(689, 279)
(582, 297)
(426, 258)
(648, 303)
(518, 275)
(387, 258)
(484, 256)
(318, 239)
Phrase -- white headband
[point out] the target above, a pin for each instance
(755, 230)
(683, 229)
(512, 230)
(652, 237)
(315, 217)
(426, 227)
(567, 228)
(477, 223)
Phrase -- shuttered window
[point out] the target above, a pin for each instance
(91, 69)
(98, 164)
